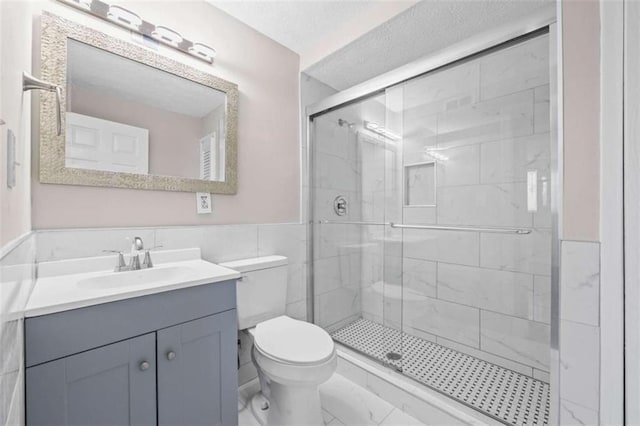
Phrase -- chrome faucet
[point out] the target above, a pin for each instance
(136, 246)
(134, 260)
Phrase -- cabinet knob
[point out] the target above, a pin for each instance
(144, 365)
(171, 355)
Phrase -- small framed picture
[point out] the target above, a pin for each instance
(203, 200)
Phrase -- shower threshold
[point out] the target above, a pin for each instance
(505, 395)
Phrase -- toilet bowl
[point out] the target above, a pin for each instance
(292, 357)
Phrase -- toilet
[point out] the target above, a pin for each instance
(292, 357)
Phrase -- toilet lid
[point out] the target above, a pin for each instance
(293, 341)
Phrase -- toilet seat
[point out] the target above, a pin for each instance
(291, 341)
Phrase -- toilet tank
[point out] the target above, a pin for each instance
(261, 290)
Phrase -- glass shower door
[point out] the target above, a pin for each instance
(477, 230)
(357, 266)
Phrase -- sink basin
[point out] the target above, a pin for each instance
(157, 274)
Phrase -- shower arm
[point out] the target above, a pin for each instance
(30, 82)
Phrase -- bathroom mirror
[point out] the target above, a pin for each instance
(131, 117)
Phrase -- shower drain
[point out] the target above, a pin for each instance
(394, 356)
(503, 394)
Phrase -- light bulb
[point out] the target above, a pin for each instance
(203, 51)
(167, 35)
(124, 17)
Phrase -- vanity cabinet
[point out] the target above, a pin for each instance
(163, 359)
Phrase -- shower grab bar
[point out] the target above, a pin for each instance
(518, 231)
(463, 228)
(342, 222)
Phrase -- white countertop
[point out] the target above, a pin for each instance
(59, 284)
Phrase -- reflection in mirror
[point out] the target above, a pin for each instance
(125, 116)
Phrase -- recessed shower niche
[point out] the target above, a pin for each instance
(420, 184)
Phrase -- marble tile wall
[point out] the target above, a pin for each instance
(482, 293)
(219, 243)
(579, 333)
(17, 277)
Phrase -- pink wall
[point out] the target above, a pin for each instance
(268, 138)
(581, 57)
(174, 139)
(15, 33)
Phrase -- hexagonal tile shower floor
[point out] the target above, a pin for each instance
(503, 394)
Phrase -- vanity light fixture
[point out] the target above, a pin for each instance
(167, 35)
(80, 4)
(203, 51)
(125, 18)
(376, 128)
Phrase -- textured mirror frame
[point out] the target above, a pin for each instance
(55, 32)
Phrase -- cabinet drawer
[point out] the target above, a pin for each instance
(54, 336)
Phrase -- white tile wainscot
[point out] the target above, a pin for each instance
(17, 278)
(580, 278)
(579, 333)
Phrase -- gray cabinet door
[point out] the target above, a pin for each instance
(104, 386)
(197, 372)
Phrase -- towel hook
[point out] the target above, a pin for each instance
(29, 82)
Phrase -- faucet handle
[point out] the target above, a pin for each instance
(121, 264)
(147, 263)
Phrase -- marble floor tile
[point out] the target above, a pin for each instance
(352, 404)
(327, 416)
(400, 418)
(245, 418)
(344, 403)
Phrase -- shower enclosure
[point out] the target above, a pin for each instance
(432, 227)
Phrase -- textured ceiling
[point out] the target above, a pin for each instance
(313, 28)
(425, 28)
(96, 69)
